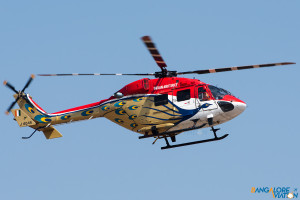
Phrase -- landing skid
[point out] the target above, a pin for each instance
(191, 143)
(171, 134)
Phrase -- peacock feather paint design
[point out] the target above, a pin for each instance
(29, 108)
(138, 99)
(87, 112)
(120, 104)
(119, 120)
(105, 108)
(120, 112)
(131, 117)
(134, 107)
(133, 125)
(65, 117)
(42, 118)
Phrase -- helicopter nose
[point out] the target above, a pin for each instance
(239, 107)
(232, 108)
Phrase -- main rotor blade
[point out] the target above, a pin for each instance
(154, 52)
(7, 84)
(28, 83)
(226, 69)
(96, 74)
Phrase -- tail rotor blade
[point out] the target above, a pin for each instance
(19, 94)
(7, 84)
(28, 82)
(11, 106)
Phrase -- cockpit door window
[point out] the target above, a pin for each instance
(204, 99)
(203, 94)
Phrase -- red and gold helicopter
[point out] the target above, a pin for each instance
(159, 108)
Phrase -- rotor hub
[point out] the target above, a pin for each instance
(163, 74)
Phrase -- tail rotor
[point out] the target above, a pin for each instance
(19, 93)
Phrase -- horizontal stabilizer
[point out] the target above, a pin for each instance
(50, 133)
(22, 118)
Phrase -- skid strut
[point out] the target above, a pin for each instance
(168, 133)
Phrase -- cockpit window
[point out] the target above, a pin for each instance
(218, 93)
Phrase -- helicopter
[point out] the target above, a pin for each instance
(158, 108)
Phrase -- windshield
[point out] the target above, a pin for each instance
(218, 93)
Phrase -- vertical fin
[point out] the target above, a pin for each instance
(22, 118)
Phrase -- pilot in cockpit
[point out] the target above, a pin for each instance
(202, 94)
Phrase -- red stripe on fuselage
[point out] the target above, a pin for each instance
(36, 105)
(91, 105)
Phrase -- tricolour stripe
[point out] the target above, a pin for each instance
(17, 113)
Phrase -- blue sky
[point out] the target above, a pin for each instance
(97, 159)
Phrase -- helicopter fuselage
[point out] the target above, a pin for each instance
(160, 108)
(149, 106)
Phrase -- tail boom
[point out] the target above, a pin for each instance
(84, 112)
